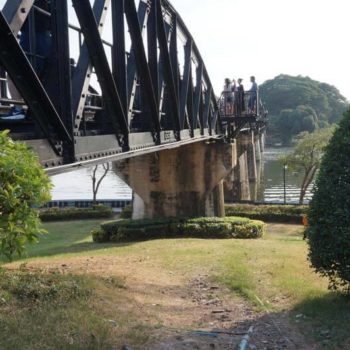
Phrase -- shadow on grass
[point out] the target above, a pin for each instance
(66, 237)
(77, 248)
(316, 323)
(82, 247)
(326, 319)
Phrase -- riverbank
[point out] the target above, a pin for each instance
(156, 294)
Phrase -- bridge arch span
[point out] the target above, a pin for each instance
(147, 86)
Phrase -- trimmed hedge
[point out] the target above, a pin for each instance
(133, 230)
(56, 214)
(269, 213)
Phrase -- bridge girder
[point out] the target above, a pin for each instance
(155, 94)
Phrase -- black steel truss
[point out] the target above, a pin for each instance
(147, 96)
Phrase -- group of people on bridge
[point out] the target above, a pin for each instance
(233, 100)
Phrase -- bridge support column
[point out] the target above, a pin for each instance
(184, 181)
(237, 183)
(251, 154)
(258, 152)
(262, 141)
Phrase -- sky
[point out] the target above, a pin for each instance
(265, 38)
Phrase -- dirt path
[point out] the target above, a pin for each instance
(184, 310)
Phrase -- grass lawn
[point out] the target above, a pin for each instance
(271, 273)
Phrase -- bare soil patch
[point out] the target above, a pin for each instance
(183, 310)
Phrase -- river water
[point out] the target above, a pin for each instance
(272, 179)
(77, 185)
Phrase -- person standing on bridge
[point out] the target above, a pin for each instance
(240, 98)
(234, 90)
(252, 104)
(228, 97)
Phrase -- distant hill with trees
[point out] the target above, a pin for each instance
(298, 104)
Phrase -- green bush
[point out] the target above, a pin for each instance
(99, 236)
(131, 230)
(24, 186)
(268, 213)
(126, 212)
(329, 220)
(56, 214)
(251, 229)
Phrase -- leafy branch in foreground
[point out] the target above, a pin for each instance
(23, 187)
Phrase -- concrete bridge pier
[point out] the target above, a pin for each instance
(257, 145)
(262, 139)
(237, 183)
(249, 139)
(243, 182)
(183, 181)
(256, 181)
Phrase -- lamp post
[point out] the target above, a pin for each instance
(285, 167)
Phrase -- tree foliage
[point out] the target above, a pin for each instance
(306, 156)
(298, 104)
(23, 186)
(329, 220)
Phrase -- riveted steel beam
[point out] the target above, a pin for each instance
(152, 40)
(198, 93)
(28, 84)
(168, 70)
(207, 103)
(142, 66)
(185, 81)
(83, 70)
(99, 60)
(16, 12)
(142, 15)
(119, 52)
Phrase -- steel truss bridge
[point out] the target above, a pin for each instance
(137, 84)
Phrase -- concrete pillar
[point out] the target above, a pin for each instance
(183, 181)
(262, 142)
(251, 155)
(239, 178)
(258, 153)
(138, 207)
(219, 200)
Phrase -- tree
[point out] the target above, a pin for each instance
(307, 155)
(95, 182)
(298, 104)
(23, 187)
(328, 233)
